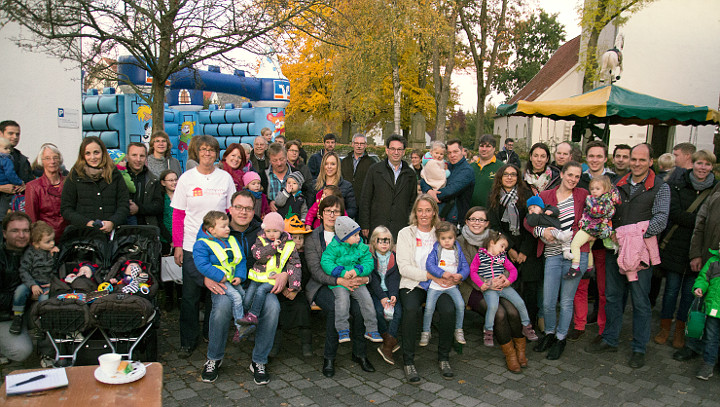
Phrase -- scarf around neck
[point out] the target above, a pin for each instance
(511, 214)
(93, 173)
(236, 175)
(539, 181)
(701, 186)
(474, 239)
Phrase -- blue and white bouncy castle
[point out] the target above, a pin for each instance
(119, 119)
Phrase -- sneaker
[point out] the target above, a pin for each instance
(488, 338)
(572, 273)
(575, 335)
(374, 336)
(209, 373)
(424, 338)
(529, 332)
(248, 319)
(460, 336)
(17, 324)
(411, 374)
(705, 372)
(343, 335)
(259, 373)
(567, 254)
(445, 369)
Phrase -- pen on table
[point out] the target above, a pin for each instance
(30, 380)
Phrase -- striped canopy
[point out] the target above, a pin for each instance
(613, 104)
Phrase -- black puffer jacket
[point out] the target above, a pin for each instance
(675, 256)
(84, 200)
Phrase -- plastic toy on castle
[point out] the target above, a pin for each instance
(119, 119)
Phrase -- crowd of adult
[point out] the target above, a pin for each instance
(487, 194)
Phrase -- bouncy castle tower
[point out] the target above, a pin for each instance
(119, 119)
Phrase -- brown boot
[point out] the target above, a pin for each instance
(679, 338)
(541, 324)
(520, 350)
(511, 357)
(664, 333)
(385, 350)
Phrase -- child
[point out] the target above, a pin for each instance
(251, 180)
(120, 161)
(36, 270)
(217, 256)
(384, 288)
(312, 220)
(290, 200)
(547, 216)
(274, 253)
(7, 174)
(435, 172)
(707, 283)
(168, 180)
(347, 256)
(445, 257)
(666, 163)
(595, 221)
(489, 262)
(134, 278)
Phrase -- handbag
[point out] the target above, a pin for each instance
(695, 326)
(690, 209)
(170, 271)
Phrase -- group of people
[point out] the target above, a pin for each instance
(383, 245)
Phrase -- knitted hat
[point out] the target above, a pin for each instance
(297, 176)
(536, 200)
(273, 220)
(345, 227)
(92, 266)
(250, 176)
(116, 155)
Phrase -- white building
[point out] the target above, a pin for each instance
(42, 94)
(670, 52)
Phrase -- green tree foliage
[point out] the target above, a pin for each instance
(532, 43)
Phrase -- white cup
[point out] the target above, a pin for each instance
(109, 363)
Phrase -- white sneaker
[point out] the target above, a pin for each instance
(460, 336)
(424, 338)
(567, 254)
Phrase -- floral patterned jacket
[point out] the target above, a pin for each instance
(598, 213)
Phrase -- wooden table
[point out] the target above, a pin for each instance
(84, 391)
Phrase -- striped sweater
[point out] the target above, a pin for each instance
(485, 267)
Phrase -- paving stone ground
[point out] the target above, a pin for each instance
(481, 379)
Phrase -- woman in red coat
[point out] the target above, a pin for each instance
(42, 195)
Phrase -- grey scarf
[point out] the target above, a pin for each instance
(701, 186)
(474, 239)
(511, 214)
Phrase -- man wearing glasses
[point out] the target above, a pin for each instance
(389, 190)
(454, 197)
(485, 168)
(356, 164)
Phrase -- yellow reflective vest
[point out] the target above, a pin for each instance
(272, 267)
(226, 266)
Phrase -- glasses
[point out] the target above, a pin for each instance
(171, 180)
(53, 158)
(510, 175)
(334, 212)
(476, 220)
(395, 150)
(384, 240)
(206, 149)
(246, 209)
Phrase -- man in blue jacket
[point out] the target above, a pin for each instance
(454, 197)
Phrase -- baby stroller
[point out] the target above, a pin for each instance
(65, 318)
(128, 317)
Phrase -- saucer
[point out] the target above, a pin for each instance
(138, 371)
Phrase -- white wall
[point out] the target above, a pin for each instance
(32, 89)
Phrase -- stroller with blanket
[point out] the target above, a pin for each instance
(102, 299)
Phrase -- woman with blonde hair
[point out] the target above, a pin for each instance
(94, 193)
(330, 175)
(159, 154)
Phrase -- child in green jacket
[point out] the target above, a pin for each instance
(347, 256)
(708, 283)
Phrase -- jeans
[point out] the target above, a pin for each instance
(342, 307)
(221, 317)
(326, 300)
(255, 296)
(15, 347)
(192, 293)
(431, 300)
(412, 301)
(708, 345)
(23, 293)
(236, 294)
(615, 286)
(507, 320)
(677, 284)
(556, 286)
(492, 299)
(384, 326)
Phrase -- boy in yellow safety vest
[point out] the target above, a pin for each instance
(274, 252)
(217, 256)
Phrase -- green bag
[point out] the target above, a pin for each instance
(695, 326)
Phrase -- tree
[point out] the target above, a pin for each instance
(532, 43)
(164, 36)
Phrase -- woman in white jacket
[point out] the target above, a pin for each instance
(413, 246)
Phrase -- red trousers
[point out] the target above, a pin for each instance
(580, 304)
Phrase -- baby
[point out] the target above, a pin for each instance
(312, 220)
(435, 172)
(134, 278)
(84, 269)
(36, 270)
(290, 200)
(347, 256)
(548, 217)
(251, 182)
(7, 174)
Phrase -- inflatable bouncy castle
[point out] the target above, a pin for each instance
(119, 119)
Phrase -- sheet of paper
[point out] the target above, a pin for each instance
(44, 380)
